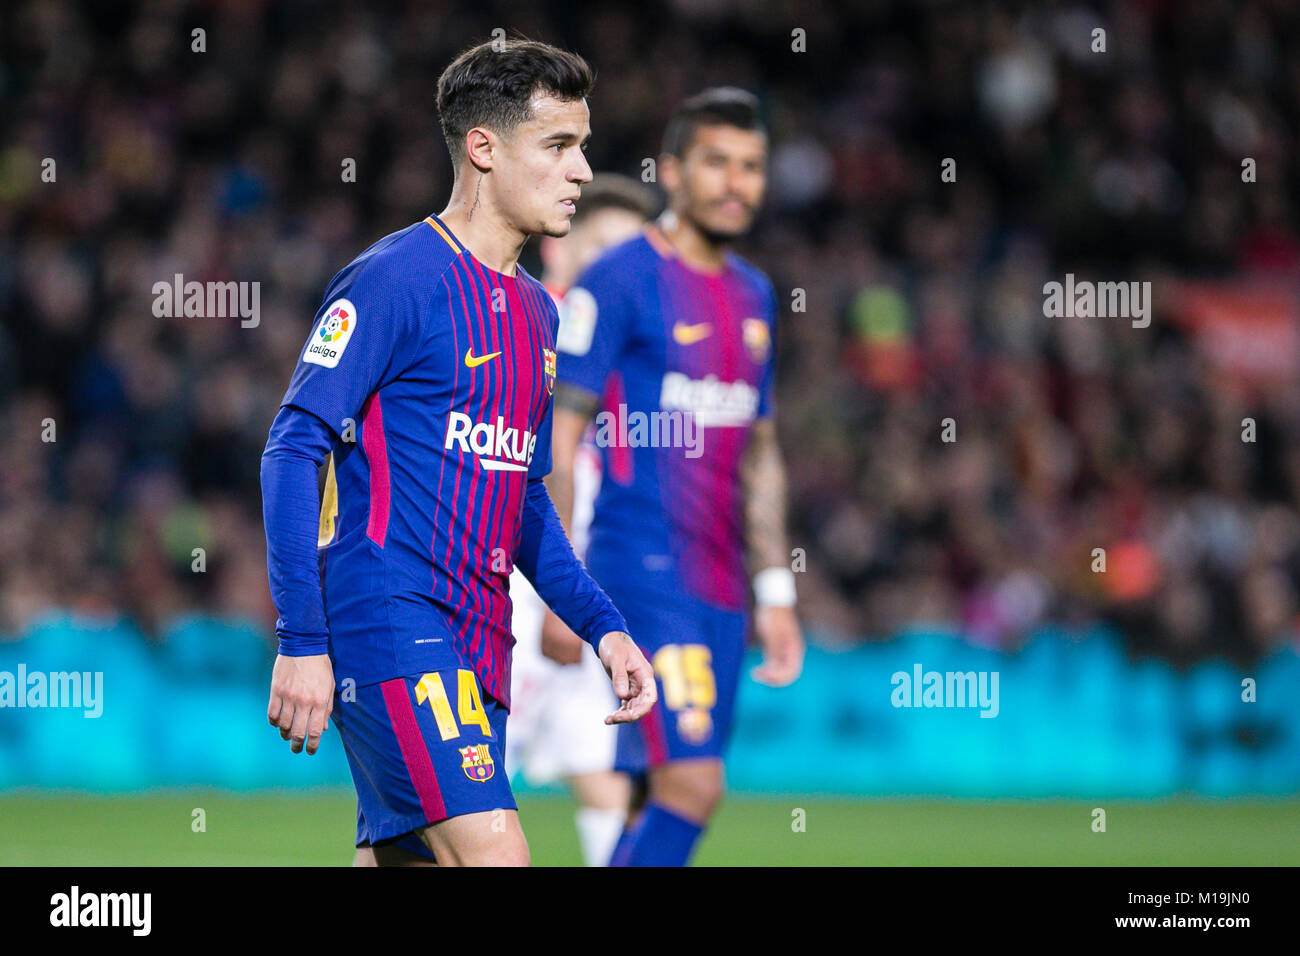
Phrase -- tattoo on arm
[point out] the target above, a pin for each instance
(762, 475)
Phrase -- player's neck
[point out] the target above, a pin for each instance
(692, 246)
(557, 280)
(472, 216)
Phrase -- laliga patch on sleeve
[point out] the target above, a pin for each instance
(577, 322)
(332, 334)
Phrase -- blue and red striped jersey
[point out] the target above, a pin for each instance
(434, 375)
(655, 339)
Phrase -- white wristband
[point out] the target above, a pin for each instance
(774, 587)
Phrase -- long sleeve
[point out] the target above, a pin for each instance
(295, 449)
(546, 557)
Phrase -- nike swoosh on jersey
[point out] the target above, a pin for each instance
(690, 334)
(472, 362)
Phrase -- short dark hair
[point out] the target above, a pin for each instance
(493, 84)
(614, 191)
(716, 106)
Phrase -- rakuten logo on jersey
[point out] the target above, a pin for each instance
(498, 448)
(711, 402)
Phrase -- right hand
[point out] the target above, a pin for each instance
(559, 643)
(302, 699)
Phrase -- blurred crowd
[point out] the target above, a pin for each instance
(922, 294)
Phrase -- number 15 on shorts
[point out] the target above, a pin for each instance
(685, 672)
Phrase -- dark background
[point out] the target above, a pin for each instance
(924, 298)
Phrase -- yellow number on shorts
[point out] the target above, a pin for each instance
(686, 671)
(698, 660)
(469, 704)
(430, 686)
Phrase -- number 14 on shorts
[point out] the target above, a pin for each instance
(469, 705)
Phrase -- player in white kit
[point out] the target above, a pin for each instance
(556, 729)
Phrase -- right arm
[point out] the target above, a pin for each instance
(377, 325)
(302, 681)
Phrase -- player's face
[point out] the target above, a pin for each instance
(543, 166)
(599, 231)
(719, 183)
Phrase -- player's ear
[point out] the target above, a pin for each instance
(480, 147)
(670, 172)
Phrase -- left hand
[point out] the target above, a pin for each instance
(631, 674)
(782, 641)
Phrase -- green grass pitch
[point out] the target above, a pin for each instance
(315, 829)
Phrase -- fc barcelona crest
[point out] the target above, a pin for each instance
(757, 339)
(477, 762)
(548, 361)
(694, 725)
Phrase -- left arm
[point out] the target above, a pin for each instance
(573, 409)
(546, 558)
(762, 476)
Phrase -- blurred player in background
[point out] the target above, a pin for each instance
(668, 341)
(426, 382)
(557, 728)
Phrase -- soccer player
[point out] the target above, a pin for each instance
(670, 336)
(557, 708)
(426, 383)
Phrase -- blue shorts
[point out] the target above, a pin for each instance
(422, 748)
(696, 650)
